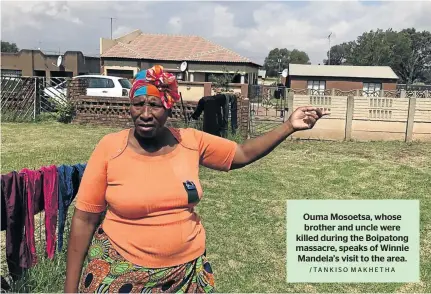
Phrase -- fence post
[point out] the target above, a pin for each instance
(36, 106)
(244, 118)
(410, 119)
(289, 99)
(349, 118)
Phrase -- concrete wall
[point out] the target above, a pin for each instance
(193, 91)
(369, 118)
(329, 128)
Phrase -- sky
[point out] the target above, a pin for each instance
(251, 29)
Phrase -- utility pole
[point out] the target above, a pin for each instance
(279, 74)
(329, 54)
(111, 27)
(111, 20)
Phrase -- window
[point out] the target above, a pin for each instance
(179, 76)
(125, 83)
(100, 83)
(61, 74)
(11, 73)
(39, 73)
(127, 74)
(372, 89)
(317, 87)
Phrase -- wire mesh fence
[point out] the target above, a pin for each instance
(27, 98)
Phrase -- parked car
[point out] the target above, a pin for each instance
(98, 85)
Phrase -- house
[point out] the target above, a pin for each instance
(126, 55)
(261, 75)
(36, 63)
(341, 77)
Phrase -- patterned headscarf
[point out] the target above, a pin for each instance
(156, 82)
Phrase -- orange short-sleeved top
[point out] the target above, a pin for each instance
(149, 219)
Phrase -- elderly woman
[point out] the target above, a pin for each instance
(147, 180)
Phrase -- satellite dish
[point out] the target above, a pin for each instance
(284, 73)
(183, 66)
(59, 61)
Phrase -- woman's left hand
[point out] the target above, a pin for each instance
(304, 118)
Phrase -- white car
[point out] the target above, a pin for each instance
(98, 85)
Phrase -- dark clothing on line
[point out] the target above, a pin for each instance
(12, 188)
(232, 100)
(69, 178)
(216, 113)
(213, 119)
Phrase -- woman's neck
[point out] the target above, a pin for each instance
(155, 144)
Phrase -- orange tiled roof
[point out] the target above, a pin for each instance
(174, 47)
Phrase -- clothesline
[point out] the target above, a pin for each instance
(26, 193)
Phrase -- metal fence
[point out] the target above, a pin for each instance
(26, 98)
(268, 108)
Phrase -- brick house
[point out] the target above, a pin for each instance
(342, 77)
(126, 55)
(36, 63)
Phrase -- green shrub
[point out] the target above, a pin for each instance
(66, 112)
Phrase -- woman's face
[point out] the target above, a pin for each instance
(149, 115)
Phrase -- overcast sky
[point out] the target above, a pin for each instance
(251, 29)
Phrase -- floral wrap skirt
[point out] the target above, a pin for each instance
(108, 272)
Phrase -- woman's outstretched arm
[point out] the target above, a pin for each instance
(303, 118)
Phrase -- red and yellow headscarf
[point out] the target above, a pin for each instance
(156, 82)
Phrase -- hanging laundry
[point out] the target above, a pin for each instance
(32, 200)
(231, 99)
(3, 211)
(12, 189)
(222, 102)
(69, 178)
(81, 170)
(213, 116)
(50, 196)
(5, 287)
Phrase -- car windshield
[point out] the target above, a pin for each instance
(125, 83)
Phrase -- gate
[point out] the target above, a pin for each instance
(268, 108)
(25, 98)
(52, 93)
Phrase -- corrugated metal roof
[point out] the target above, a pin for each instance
(174, 48)
(376, 72)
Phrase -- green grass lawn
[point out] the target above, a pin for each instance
(243, 211)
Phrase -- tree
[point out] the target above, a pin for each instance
(416, 64)
(407, 52)
(339, 54)
(272, 64)
(9, 47)
(220, 82)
